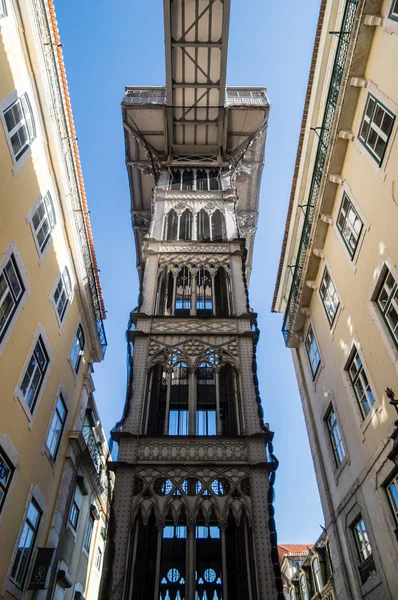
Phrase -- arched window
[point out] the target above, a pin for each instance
(239, 558)
(144, 557)
(171, 225)
(204, 298)
(292, 594)
(304, 588)
(205, 400)
(183, 293)
(187, 179)
(229, 400)
(218, 232)
(179, 400)
(222, 293)
(185, 232)
(203, 226)
(317, 574)
(208, 581)
(173, 559)
(201, 180)
(175, 179)
(157, 395)
(214, 179)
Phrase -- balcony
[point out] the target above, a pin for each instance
(91, 452)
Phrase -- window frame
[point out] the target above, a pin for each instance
(318, 579)
(306, 595)
(5, 488)
(35, 528)
(75, 361)
(98, 559)
(75, 508)
(351, 205)
(330, 429)
(313, 373)
(393, 295)
(38, 340)
(369, 120)
(88, 532)
(27, 122)
(353, 380)
(392, 504)
(66, 280)
(51, 217)
(323, 294)
(3, 9)
(16, 299)
(393, 12)
(53, 454)
(359, 548)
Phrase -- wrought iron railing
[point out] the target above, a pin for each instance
(61, 121)
(94, 448)
(150, 95)
(246, 96)
(344, 37)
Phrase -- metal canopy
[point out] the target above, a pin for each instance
(196, 40)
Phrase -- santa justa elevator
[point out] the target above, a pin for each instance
(192, 515)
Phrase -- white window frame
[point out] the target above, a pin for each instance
(3, 9)
(12, 454)
(304, 588)
(40, 332)
(42, 252)
(315, 375)
(372, 127)
(72, 362)
(100, 556)
(61, 319)
(37, 496)
(319, 585)
(5, 105)
(338, 464)
(330, 290)
(61, 395)
(13, 251)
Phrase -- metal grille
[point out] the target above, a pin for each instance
(320, 160)
(67, 150)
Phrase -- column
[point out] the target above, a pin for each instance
(224, 562)
(174, 293)
(160, 526)
(166, 418)
(218, 414)
(192, 404)
(213, 294)
(194, 294)
(190, 561)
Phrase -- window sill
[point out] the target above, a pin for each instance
(14, 590)
(340, 468)
(18, 164)
(72, 530)
(25, 407)
(369, 585)
(379, 169)
(49, 456)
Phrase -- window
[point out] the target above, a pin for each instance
(317, 574)
(366, 563)
(3, 8)
(394, 10)
(360, 383)
(205, 400)
(335, 437)
(329, 297)
(349, 225)
(387, 302)
(98, 561)
(76, 507)
(43, 221)
(203, 226)
(292, 594)
(11, 293)
(204, 295)
(194, 179)
(6, 473)
(88, 532)
(376, 128)
(179, 395)
(312, 351)
(392, 492)
(34, 374)
(77, 350)
(20, 125)
(26, 544)
(62, 293)
(56, 427)
(304, 588)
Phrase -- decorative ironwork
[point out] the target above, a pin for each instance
(66, 141)
(245, 486)
(320, 161)
(138, 486)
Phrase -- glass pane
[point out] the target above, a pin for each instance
(13, 279)
(6, 307)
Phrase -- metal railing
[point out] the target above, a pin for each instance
(150, 95)
(93, 448)
(246, 97)
(344, 37)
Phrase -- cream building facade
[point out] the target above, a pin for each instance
(337, 286)
(53, 476)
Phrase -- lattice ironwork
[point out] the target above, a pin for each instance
(325, 136)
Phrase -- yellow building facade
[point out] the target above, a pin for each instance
(51, 318)
(338, 286)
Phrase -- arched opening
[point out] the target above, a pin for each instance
(187, 179)
(175, 179)
(218, 231)
(171, 225)
(185, 232)
(214, 179)
(203, 226)
(206, 405)
(239, 558)
(179, 400)
(164, 293)
(208, 581)
(144, 550)
(204, 297)
(183, 293)
(222, 293)
(157, 396)
(229, 400)
(201, 180)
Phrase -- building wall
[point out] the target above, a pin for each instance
(357, 486)
(40, 169)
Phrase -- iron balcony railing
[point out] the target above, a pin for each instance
(94, 448)
(344, 37)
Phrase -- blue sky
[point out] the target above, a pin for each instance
(110, 45)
